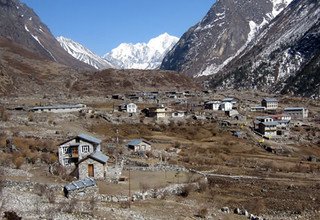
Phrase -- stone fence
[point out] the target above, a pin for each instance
(157, 167)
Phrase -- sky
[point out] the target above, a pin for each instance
(102, 25)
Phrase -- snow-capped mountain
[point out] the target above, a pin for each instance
(141, 55)
(223, 33)
(83, 54)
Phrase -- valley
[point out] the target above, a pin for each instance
(222, 123)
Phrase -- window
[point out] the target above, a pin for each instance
(64, 149)
(85, 149)
(66, 161)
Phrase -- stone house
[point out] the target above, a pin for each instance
(93, 166)
(139, 145)
(75, 149)
(269, 103)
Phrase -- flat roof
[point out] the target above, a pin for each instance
(80, 184)
(294, 108)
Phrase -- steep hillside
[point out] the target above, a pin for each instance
(224, 32)
(283, 58)
(21, 25)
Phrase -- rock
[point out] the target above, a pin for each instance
(237, 211)
(115, 199)
(225, 209)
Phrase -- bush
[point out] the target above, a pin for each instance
(185, 191)
(4, 116)
(11, 215)
(202, 212)
(18, 161)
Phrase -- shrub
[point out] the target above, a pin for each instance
(202, 212)
(4, 116)
(18, 161)
(185, 191)
(11, 215)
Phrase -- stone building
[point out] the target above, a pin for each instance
(93, 166)
(73, 150)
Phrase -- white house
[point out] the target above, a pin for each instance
(130, 108)
(226, 106)
(73, 150)
(139, 145)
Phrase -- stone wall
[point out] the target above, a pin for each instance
(99, 169)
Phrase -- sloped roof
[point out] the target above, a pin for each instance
(89, 138)
(270, 123)
(270, 99)
(80, 184)
(294, 108)
(137, 142)
(99, 156)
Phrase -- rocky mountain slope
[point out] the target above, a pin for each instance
(285, 57)
(21, 25)
(141, 55)
(224, 32)
(83, 54)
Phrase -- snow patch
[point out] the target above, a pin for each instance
(37, 39)
(278, 6)
(25, 27)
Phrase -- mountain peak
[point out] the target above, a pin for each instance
(142, 55)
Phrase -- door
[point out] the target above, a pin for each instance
(90, 170)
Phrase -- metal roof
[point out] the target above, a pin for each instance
(89, 138)
(99, 156)
(294, 108)
(228, 99)
(270, 99)
(80, 184)
(137, 142)
(270, 123)
(57, 107)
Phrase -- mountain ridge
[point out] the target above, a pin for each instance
(141, 55)
(83, 54)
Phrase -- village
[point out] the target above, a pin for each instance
(124, 149)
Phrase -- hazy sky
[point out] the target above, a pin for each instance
(102, 25)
